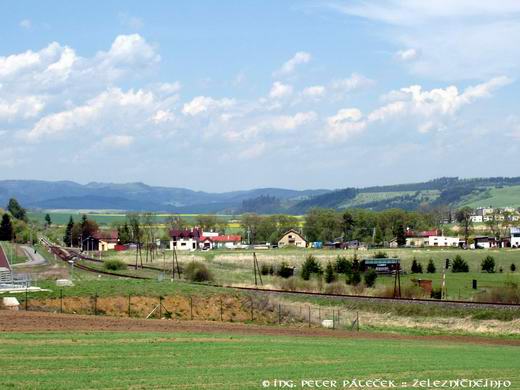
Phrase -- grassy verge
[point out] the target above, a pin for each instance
(195, 361)
(14, 253)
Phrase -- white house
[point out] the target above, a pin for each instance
(476, 219)
(292, 238)
(515, 237)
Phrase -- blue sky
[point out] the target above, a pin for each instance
(226, 95)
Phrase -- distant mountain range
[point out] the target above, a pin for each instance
(448, 191)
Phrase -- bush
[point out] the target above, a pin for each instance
(380, 255)
(513, 267)
(431, 267)
(336, 288)
(436, 293)
(264, 269)
(354, 279)
(284, 270)
(370, 278)
(198, 272)
(343, 265)
(309, 267)
(459, 265)
(329, 273)
(488, 264)
(508, 294)
(115, 265)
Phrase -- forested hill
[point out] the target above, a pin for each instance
(446, 191)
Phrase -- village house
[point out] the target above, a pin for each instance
(515, 237)
(227, 241)
(185, 239)
(101, 240)
(433, 238)
(292, 238)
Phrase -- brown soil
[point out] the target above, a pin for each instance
(21, 321)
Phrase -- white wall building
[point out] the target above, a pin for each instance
(515, 237)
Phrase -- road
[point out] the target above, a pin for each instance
(34, 258)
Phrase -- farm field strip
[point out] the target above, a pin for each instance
(206, 355)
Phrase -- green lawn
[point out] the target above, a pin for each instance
(216, 361)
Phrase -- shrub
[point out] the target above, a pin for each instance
(431, 267)
(309, 267)
(459, 265)
(370, 278)
(416, 267)
(285, 271)
(198, 272)
(271, 269)
(507, 294)
(436, 293)
(354, 279)
(380, 255)
(115, 265)
(343, 265)
(329, 273)
(513, 267)
(264, 269)
(488, 264)
(297, 284)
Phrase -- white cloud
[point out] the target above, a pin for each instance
(407, 55)
(23, 107)
(203, 104)
(280, 90)
(346, 123)
(25, 24)
(99, 112)
(433, 106)
(162, 116)
(290, 122)
(132, 22)
(354, 82)
(289, 67)
(314, 91)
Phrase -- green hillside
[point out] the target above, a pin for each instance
(496, 197)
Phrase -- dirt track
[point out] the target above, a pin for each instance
(37, 321)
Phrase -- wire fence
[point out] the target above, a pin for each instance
(253, 308)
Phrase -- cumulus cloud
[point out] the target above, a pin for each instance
(280, 90)
(344, 124)
(253, 151)
(203, 104)
(289, 67)
(99, 112)
(23, 107)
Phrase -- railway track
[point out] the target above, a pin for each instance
(67, 255)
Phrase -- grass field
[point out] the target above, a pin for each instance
(219, 361)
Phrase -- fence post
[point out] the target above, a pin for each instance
(279, 314)
(26, 298)
(191, 307)
(357, 320)
(333, 319)
(61, 300)
(221, 311)
(319, 314)
(309, 316)
(129, 312)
